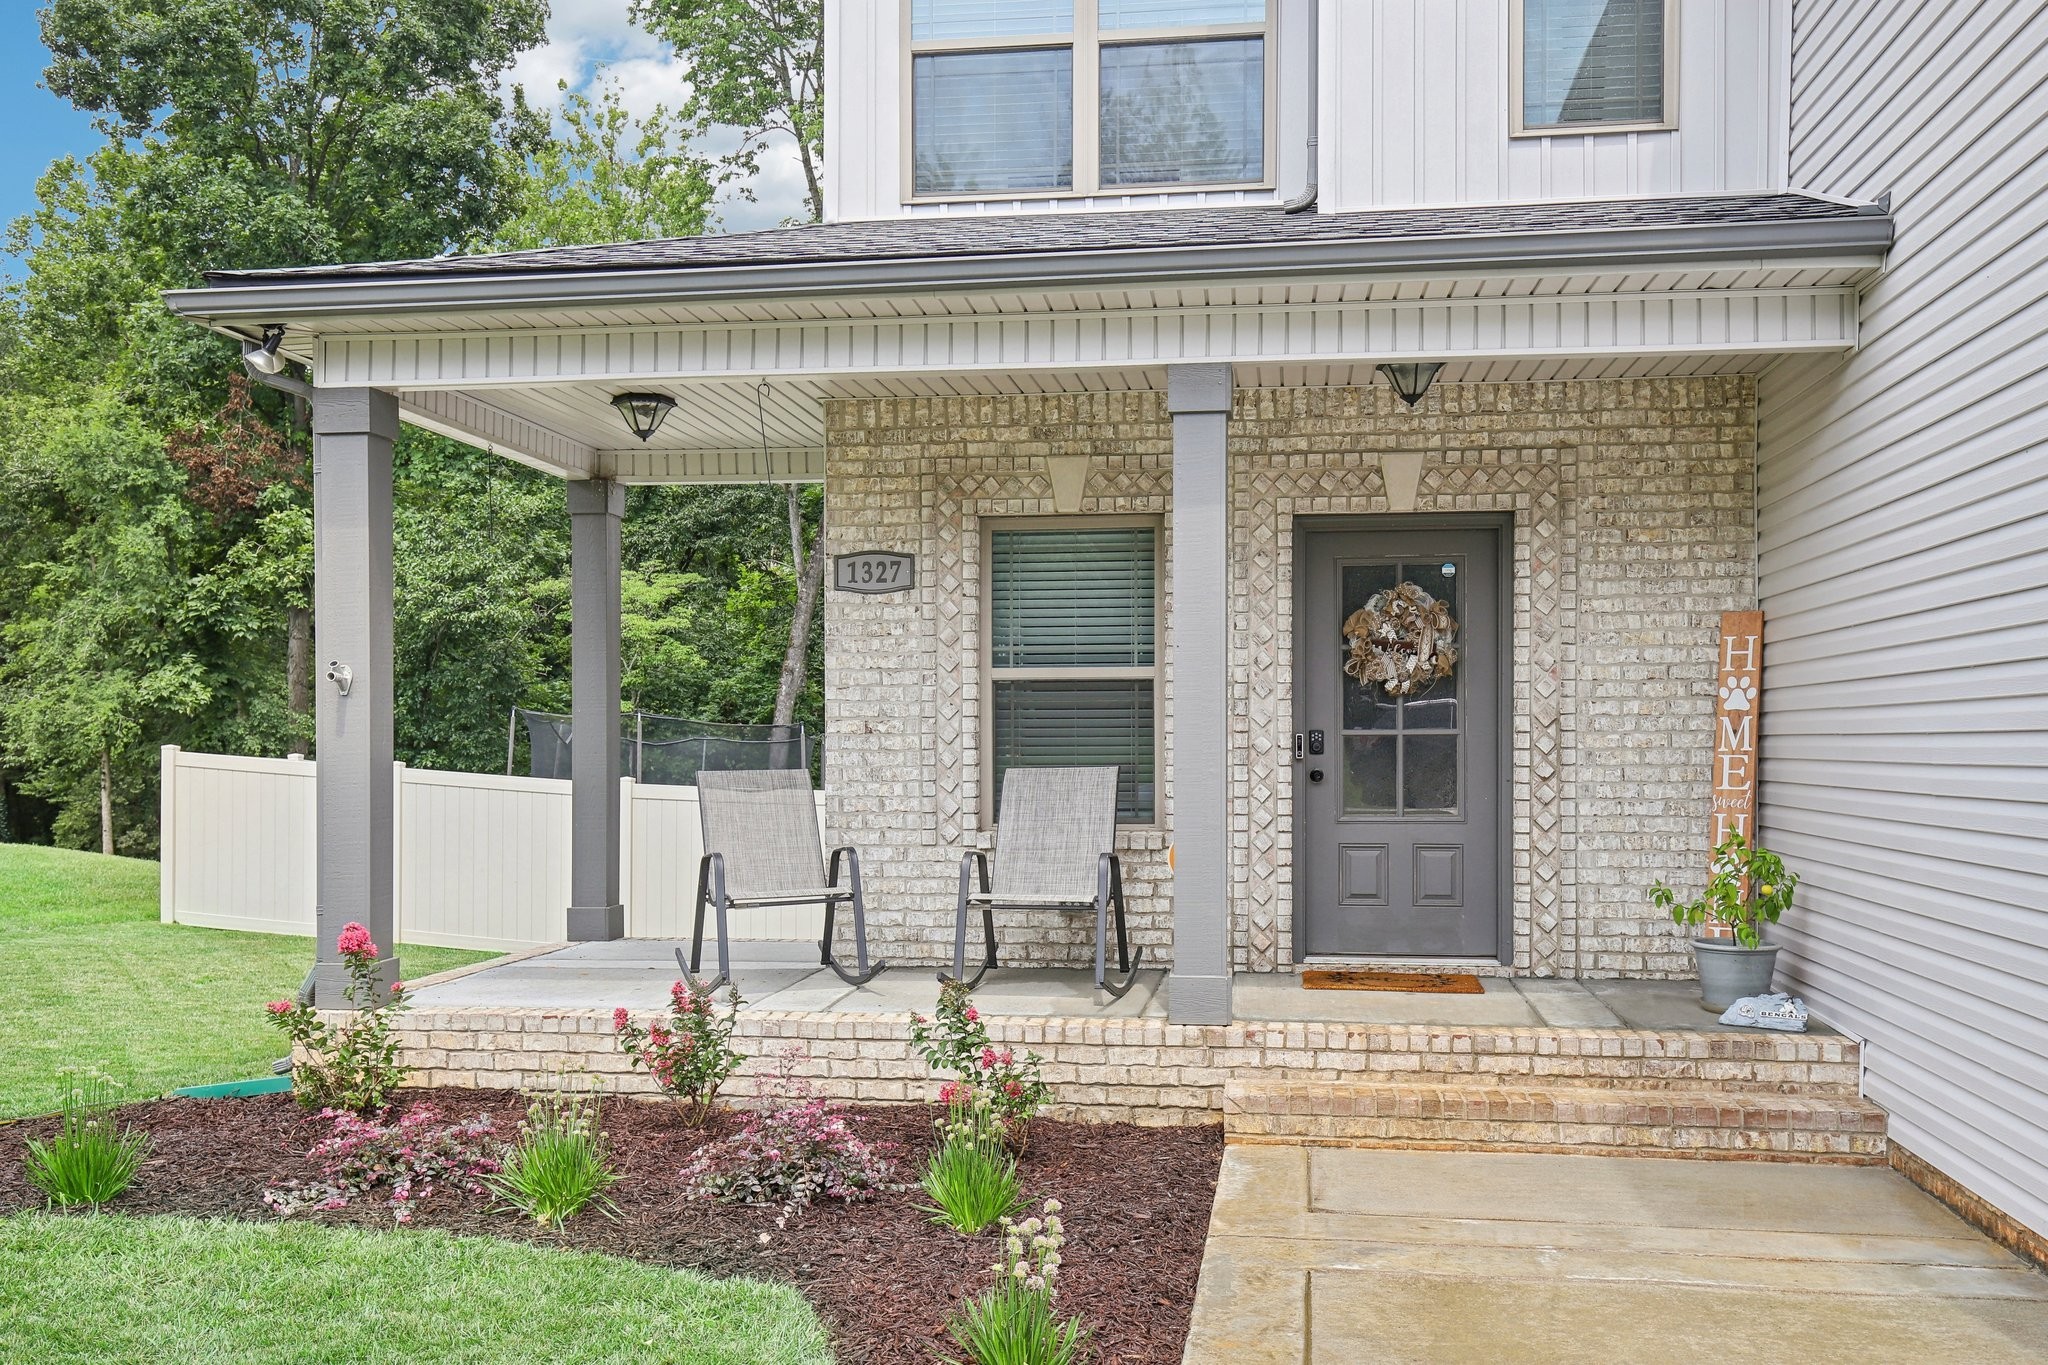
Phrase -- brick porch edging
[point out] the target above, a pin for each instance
(1979, 1213)
(1137, 1070)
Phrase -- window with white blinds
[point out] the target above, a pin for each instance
(1593, 63)
(1071, 614)
(1057, 96)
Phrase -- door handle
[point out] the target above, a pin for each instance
(1315, 774)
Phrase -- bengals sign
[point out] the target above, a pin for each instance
(1735, 712)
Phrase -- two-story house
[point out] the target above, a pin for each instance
(1166, 334)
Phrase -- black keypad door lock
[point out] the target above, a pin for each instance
(1315, 741)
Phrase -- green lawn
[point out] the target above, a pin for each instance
(111, 1288)
(89, 976)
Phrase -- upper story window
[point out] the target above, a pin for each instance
(1075, 96)
(1593, 65)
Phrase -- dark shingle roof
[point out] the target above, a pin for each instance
(985, 235)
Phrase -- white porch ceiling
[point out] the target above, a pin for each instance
(715, 432)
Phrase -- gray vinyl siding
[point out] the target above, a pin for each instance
(1903, 562)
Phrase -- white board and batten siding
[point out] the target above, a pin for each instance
(1413, 110)
(482, 861)
(1904, 572)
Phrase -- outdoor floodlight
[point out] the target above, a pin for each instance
(264, 358)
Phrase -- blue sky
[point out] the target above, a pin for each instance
(582, 36)
(40, 126)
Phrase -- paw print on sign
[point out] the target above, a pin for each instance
(1739, 695)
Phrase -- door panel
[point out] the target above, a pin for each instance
(1396, 843)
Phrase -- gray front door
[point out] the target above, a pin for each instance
(1397, 834)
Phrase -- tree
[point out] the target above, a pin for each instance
(758, 66)
(281, 132)
(606, 177)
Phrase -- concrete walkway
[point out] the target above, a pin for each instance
(1335, 1256)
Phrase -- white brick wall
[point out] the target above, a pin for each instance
(1633, 531)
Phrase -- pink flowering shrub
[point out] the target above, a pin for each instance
(352, 1064)
(796, 1149)
(957, 1041)
(690, 1054)
(404, 1162)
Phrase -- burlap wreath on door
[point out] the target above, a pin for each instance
(1403, 639)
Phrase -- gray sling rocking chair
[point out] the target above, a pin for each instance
(1055, 842)
(761, 848)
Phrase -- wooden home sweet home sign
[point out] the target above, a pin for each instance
(1735, 724)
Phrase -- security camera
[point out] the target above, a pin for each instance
(341, 675)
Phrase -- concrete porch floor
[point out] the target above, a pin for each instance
(1322, 1256)
(786, 977)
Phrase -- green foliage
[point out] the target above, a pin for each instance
(560, 1162)
(82, 1291)
(690, 1053)
(350, 1064)
(971, 1178)
(755, 65)
(1747, 887)
(155, 519)
(606, 177)
(957, 1040)
(1013, 1322)
(92, 1158)
(276, 132)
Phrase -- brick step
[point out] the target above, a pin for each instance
(1593, 1120)
(1544, 1058)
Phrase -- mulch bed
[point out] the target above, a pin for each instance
(1136, 1206)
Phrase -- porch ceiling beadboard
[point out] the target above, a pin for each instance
(521, 353)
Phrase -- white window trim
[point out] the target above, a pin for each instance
(1518, 29)
(991, 675)
(1086, 43)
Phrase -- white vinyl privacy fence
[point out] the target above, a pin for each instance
(482, 861)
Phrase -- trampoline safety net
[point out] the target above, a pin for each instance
(666, 750)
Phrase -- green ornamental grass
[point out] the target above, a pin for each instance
(560, 1164)
(1013, 1321)
(92, 1158)
(971, 1178)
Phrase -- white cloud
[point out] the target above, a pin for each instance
(586, 37)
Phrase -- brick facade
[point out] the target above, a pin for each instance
(1633, 530)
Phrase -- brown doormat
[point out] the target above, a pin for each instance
(1424, 983)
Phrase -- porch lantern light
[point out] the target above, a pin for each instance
(644, 412)
(1411, 381)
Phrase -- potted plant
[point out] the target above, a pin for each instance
(1747, 887)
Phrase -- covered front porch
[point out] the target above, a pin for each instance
(1212, 375)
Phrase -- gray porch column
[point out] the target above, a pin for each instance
(352, 434)
(596, 507)
(1198, 396)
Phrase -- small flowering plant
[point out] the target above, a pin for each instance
(957, 1040)
(794, 1150)
(690, 1054)
(352, 1064)
(404, 1161)
(1012, 1321)
(1747, 887)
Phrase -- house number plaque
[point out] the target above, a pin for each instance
(874, 571)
